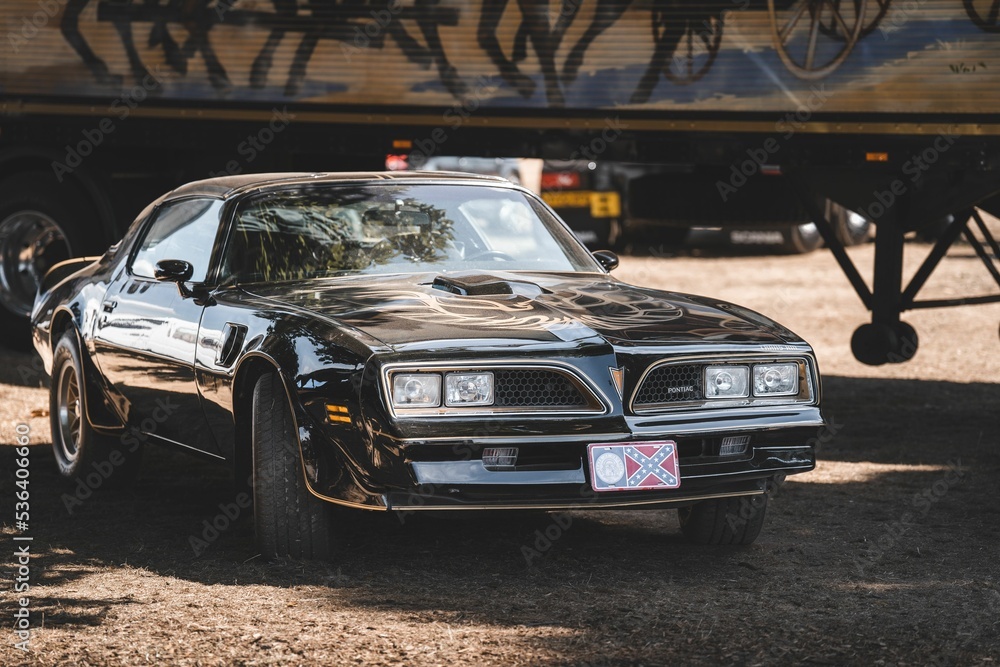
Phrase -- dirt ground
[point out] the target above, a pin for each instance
(887, 554)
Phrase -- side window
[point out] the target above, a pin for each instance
(182, 230)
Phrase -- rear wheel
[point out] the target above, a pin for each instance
(852, 228)
(801, 238)
(42, 222)
(80, 452)
(288, 519)
(724, 520)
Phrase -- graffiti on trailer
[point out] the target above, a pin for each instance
(812, 37)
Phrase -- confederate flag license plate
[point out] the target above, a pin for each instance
(634, 465)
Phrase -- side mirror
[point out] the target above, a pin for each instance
(607, 259)
(173, 271)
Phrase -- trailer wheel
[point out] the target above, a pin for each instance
(852, 228)
(42, 222)
(877, 344)
(800, 239)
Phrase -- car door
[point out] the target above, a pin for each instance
(146, 332)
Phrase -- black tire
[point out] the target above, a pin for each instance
(81, 453)
(51, 222)
(877, 344)
(724, 520)
(800, 239)
(852, 228)
(288, 519)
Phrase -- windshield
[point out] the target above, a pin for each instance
(328, 230)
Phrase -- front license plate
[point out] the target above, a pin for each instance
(639, 465)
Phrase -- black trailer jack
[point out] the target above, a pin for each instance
(888, 339)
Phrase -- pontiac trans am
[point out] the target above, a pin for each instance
(414, 342)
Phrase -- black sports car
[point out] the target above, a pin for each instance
(415, 342)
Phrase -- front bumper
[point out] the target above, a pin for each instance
(553, 473)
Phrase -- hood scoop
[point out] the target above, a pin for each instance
(484, 284)
(473, 285)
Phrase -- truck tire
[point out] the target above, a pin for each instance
(799, 239)
(724, 520)
(42, 222)
(851, 228)
(288, 519)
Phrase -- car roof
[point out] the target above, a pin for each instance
(229, 186)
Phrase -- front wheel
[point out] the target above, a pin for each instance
(724, 520)
(288, 519)
(81, 453)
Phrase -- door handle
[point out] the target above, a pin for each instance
(109, 306)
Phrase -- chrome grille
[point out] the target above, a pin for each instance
(535, 388)
(674, 383)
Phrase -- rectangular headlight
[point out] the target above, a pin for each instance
(775, 379)
(416, 390)
(468, 389)
(727, 382)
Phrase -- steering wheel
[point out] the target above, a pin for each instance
(492, 254)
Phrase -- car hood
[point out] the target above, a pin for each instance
(411, 310)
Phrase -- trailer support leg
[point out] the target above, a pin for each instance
(886, 339)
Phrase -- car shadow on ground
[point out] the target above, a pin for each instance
(854, 538)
